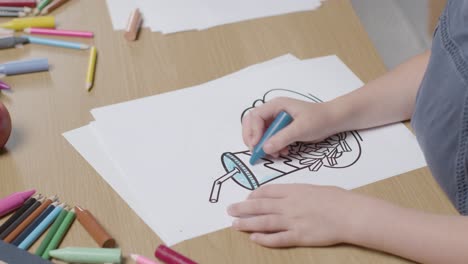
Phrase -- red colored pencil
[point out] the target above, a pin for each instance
(21, 3)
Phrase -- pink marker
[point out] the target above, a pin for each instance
(142, 260)
(14, 201)
(170, 256)
(4, 86)
(59, 32)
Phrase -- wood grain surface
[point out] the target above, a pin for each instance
(44, 105)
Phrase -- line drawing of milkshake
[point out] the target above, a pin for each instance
(338, 151)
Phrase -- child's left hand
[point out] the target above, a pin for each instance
(286, 215)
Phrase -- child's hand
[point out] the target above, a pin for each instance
(312, 122)
(286, 215)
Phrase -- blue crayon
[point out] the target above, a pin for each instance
(281, 121)
(24, 66)
(37, 232)
(57, 43)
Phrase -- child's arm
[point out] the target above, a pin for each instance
(423, 237)
(388, 99)
(285, 215)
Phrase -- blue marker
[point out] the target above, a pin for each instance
(281, 121)
(24, 66)
(57, 43)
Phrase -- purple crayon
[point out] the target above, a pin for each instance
(4, 86)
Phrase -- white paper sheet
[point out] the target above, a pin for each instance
(89, 145)
(170, 147)
(182, 15)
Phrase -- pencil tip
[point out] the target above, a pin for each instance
(134, 256)
(89, 86)
(36, 12)
(85, 47)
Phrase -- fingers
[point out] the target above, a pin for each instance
(253, 207)
(248, 132)
(282, 139)
(263, 223)
(271, 191)
(280, 239)
(255, 122)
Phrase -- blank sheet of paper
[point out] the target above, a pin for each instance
(172, 149)
(182, 15)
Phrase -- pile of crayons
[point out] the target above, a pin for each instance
(44, 25)
(32, 215)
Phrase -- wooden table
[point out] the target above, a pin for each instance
(44, 105)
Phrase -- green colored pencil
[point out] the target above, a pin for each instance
(40, 250)
(61, 232)
(41, 6)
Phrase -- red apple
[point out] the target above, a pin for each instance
(5, 125)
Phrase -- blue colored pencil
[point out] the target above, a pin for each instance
(41, 228)
(56, 43)
(33, 225)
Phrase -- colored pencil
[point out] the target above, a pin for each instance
(15, 9)
(34, 224)
(20, 3)
(42, 4)
(11, 14)
(4, 86)
(142, 260)
(18, 212)
(20, 219)
(91, 68)
(54, 5)
(57, 43)
(61, 232)
(53, 229)
(6, 32)
(37, 232)
(59, 32)
(29, 219)
(14, 201)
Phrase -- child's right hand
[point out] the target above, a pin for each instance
(312, 122)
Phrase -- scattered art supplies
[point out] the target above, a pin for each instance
(41, 25)
(34, 215)
(164, 16)
(174, 147)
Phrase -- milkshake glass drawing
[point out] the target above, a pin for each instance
(334, 152)
(338, 151)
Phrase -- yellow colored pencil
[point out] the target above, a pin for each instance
(91, 68)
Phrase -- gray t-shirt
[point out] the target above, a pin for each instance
(440, 119)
